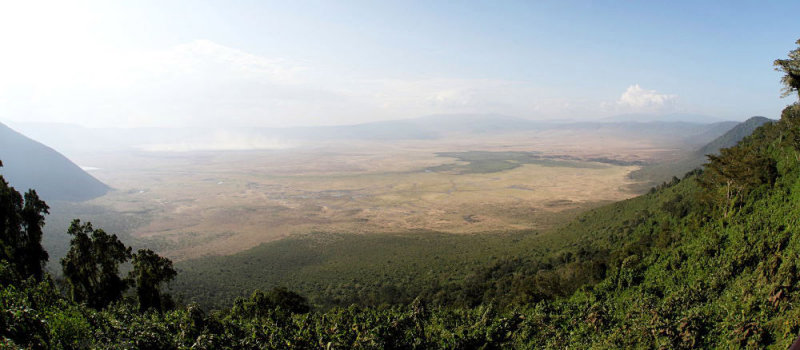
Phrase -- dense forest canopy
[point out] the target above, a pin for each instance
(707, 260)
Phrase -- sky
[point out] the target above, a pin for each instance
(303, 63)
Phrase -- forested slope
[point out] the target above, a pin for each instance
(656, 173)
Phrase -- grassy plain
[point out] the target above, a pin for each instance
(219, 203)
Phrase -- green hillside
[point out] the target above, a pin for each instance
(656, 173)
(732, 137)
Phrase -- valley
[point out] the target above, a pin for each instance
(221, 202)
(354, 219)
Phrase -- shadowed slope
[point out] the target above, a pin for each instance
(30, 164)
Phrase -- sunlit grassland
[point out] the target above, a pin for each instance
(217, 203)
(200, 213)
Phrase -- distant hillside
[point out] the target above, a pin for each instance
(30, 164)
(74, 140)
(663, 172)
(732, 137)
(440, 125)
(674, 117)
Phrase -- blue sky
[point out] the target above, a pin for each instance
(264, 63)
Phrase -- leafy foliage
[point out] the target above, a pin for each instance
(149, 272)
(736, 172)
(91, 267)
(21, 222)
(262, 304)
(655, 173)
(791, 68)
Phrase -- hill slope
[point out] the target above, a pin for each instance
(30, 164)
(76, 140)
(731, 138)
(674, 117)
(658, 173)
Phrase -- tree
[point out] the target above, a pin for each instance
(32, 255)
(737, 171)
(791, 68)
(262, 304)
(790, 117)
(91, 267)
(791, 82)
(288, 300)
(10, 225)
(21, 221)
(149, 271)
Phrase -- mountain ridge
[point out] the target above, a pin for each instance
(75, 140)
(31, 164)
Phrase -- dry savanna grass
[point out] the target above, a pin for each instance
(211, 203)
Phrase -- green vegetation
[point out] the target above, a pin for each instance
(483, 162)
(21, 222)
(341, 269)
(656, 173)
(56, 240)
(149, 272)
(91, 267)
(791, 68)
(706, 261)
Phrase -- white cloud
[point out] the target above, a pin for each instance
(637, 99)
